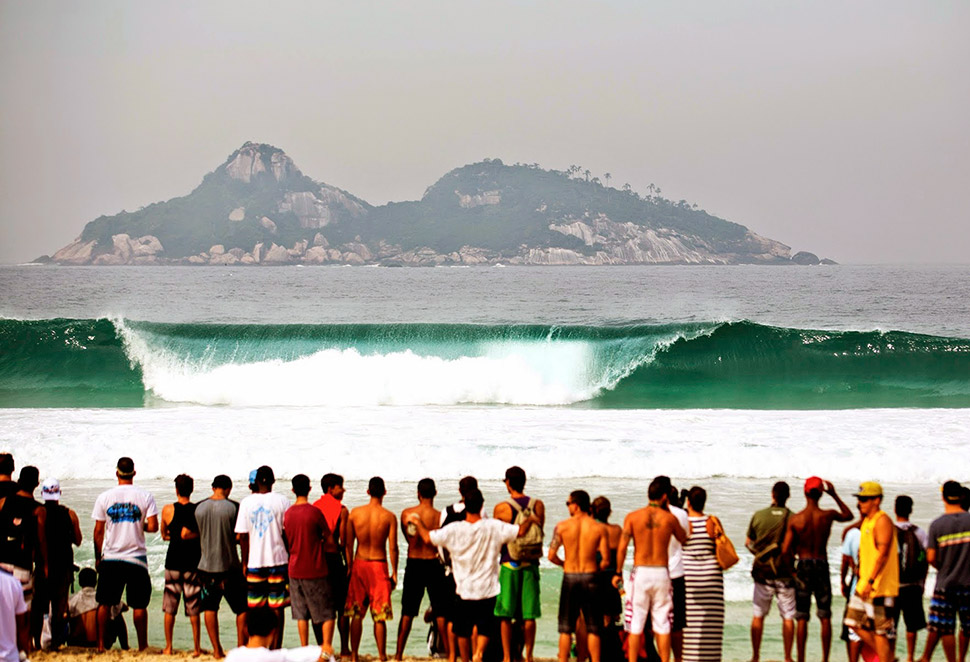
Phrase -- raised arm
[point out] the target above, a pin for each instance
(844, 514)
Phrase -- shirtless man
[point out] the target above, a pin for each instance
(423, 570)
(336, 514)
(585, 543)
(649, 592)
(807, 537)
(374, 527)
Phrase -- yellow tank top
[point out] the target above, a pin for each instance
(887, 581)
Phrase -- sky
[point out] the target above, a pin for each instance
(836, 128)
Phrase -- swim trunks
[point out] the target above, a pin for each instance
(580, 595)
(519, 592)
(944, 608)
(812, 578)
(649, 593)
(115, 577)
(369, 585)
(268, 587)
(872, 615)
(178, 584)
(230, 585)
(421, 575)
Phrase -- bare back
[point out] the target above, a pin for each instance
(371, 526)
(808, 532)
(585, 543)
(430, 517)
(651, 529)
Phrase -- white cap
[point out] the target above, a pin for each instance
(51, 490)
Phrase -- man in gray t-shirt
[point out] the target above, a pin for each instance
(219, 569)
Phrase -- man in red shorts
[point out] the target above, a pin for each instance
(374, 527)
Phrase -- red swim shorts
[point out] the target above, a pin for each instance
(369, 585)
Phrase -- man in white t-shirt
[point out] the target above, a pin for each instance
(14, 635)
(474, 545)
(259, 528)
(121, 516)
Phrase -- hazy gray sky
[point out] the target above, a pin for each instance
(839, 128)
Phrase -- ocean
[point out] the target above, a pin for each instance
(589, 378)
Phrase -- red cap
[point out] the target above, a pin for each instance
(814, 483)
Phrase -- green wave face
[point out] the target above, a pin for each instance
(100, 363)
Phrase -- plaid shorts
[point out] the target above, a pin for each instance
(945, 606)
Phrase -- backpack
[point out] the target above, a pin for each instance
(912, 557)
(529, 546)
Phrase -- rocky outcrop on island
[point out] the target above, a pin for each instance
(258, 208)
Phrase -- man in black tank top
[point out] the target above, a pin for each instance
(63, 531)
(179, 527)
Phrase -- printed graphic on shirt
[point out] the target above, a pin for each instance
(260, 520)
(124, 512)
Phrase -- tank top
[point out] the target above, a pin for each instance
(887, 581)
(182, 554)
(60, 539)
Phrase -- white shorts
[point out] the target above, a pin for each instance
(763, 594)
(649, 593)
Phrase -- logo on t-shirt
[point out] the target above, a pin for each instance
(124, 512)
(260, 520)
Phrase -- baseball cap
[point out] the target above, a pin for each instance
(870, 488)
(51, 490)
(951, 491)
(814, 483)
(252, 476)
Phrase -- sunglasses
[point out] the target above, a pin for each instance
(863, 499)
(569, 503)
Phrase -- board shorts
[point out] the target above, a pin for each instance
(179, 584)
(369, 585)
(608, 597)
(909, 605)
(519, 592)
(230, 585)
(117, 577)
(268, 587)
(774, 588)
(872, 615)
(944, 608)
(649, 593)
(471, 614)
(337, 576)
(310, 600)
(679, 594)
(812, 578)
(579, 596)
(422, 575)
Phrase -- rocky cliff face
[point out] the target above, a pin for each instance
(264, 211)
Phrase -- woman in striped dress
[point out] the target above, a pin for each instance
(704, 582)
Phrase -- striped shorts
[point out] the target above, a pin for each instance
(267, 587)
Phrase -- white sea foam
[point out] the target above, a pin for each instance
(902, 446)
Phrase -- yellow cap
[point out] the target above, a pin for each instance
(870, 488)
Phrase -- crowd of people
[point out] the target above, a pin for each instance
(331, 565)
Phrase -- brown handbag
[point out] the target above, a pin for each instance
(727, 556)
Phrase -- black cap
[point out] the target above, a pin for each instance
(952, 491)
